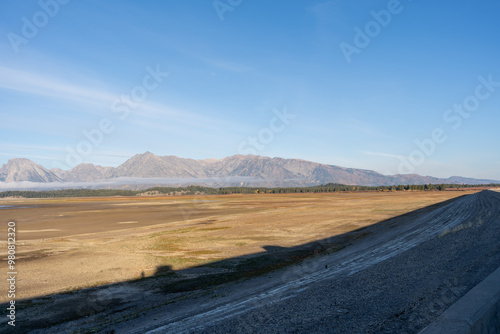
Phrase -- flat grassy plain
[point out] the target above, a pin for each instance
(69, 244)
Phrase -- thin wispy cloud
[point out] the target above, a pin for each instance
(49, 87)
(29, 147)
(53, 88)
(156, 111)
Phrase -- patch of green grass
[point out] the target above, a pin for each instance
(215, 228)
(167, 244)
(241, 244)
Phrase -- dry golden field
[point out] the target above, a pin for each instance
(68, 244)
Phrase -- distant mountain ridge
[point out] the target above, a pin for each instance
(20, 169)
(253, 170)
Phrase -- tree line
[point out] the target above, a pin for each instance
(194, 190)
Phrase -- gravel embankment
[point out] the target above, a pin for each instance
(452, 250)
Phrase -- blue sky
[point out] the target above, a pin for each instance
(226, 69)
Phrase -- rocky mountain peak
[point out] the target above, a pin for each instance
(21, 169)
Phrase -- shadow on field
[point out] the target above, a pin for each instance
(50, 310)
(274, 257)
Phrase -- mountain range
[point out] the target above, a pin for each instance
(241, 170)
